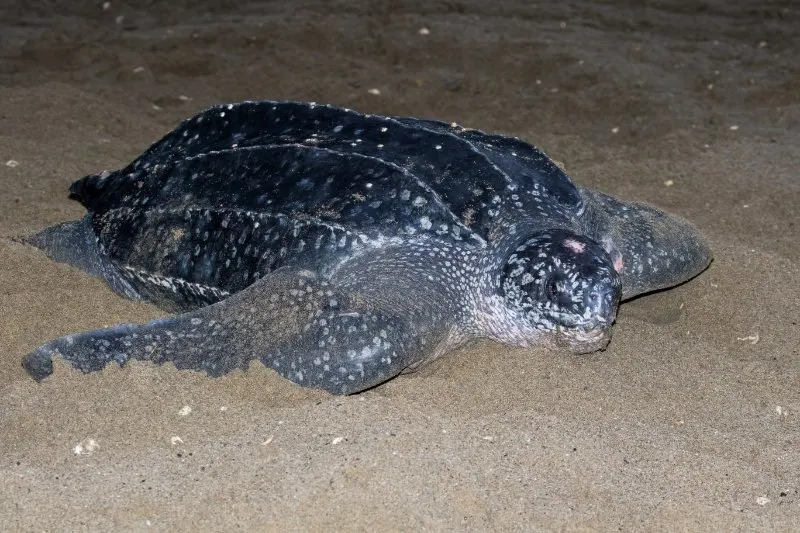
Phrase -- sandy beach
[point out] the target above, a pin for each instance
(689, 421)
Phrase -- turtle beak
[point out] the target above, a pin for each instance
(601, 302)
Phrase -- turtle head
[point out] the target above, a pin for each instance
(564, 286)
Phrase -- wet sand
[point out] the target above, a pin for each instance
(690, 420)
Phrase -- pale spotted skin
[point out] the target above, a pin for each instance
(341, 249)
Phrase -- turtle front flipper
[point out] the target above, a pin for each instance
(651, 249)
(293, 321)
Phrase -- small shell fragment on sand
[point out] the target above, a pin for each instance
(85, 447)
(175, 440)
(12, 163)
(337, 440)
(424, 31)
(753, 339)
(185, 410)
(374, 91)
(762, 500)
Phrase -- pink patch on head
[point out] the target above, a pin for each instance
(613, 251)
(575, 246)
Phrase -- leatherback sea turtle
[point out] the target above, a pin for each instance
(341, 249)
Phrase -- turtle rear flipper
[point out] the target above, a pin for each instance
(293, 321)
(651, 249)
(75, 244)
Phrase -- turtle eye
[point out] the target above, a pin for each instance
(551, 288)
